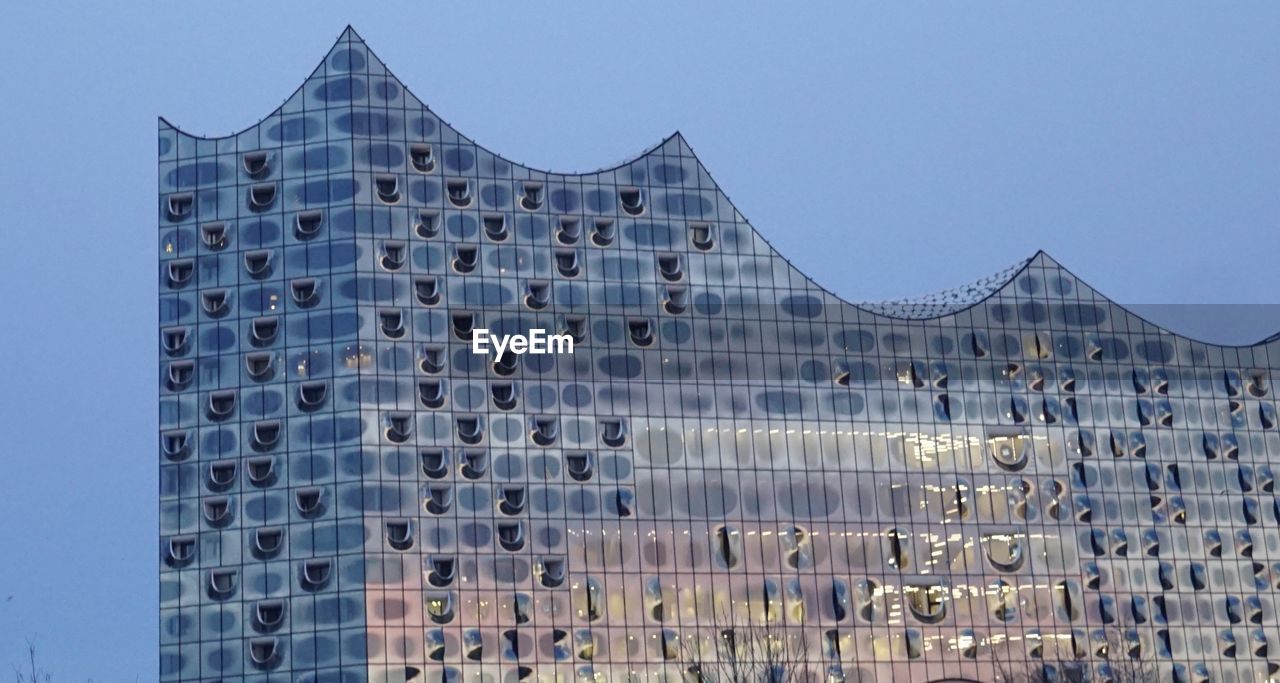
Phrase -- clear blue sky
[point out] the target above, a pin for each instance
(889, 150)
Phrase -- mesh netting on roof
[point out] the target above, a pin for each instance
(947, 301)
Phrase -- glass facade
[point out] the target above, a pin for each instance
(1010, 476)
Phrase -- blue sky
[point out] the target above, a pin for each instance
(889, 150)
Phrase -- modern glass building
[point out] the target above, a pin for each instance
(733, 463)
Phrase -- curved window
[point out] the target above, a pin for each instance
(512, 500)
(306, 224)
(262, 196)
(1006, 551)
(398, 427)
(797, 549)
(387, 187)
(603, 232)
(260, 365)
(569, 230)
(575, 326)
(268, 615)
(544, 431)
(474, 464)
(927, 601)
(400, 533)
(465, 258)
(495, 227)
(422, 157)
(531, 196)
(267, 541)
(179, 206)
(431, 359)
(504, 395)
(898, 549)
(175, 444)
(214, 302)
(266, 434)
(435, 462)
(702, 236)
(174, 340)
(459, 192)
(632, 200)
(470, 429)
(505, 365)
(394, 255)
(537, 294)
(613, 432)
(437, 498)
(676, 300)
(261, 470)
(551, 572)
(262, 331)
(312, 395)
(221, 404)
(217, 511)
(1002, 600)
(427, 289)
(567, 262)
(511, 535)
(670, 267)
(309, 501)
(391, 322)
(305, 291)
(180, 551)
(221, 475)
(314, 574)
(258, 263)
(222, 583)
(641, 331)
(180, 272)
(428, 224)
(180, 373)
(440, 570)
(1010, 450)
(580, 466)
(726, 546)
(265, 652)
(255, 164)
(431, 393)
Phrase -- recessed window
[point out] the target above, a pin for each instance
(465, 258)
(266, 434)
(506, 364)
(512, 499)
(221, 404)
(262, 196)
(797, 547)
(439, 607)
(312, 395)
(180, 374)
(267, 542)
(261, 470)
(580, 465)
(495, 227)
(258, 263)
(603, 232)
(400, 533)
(431, 393)
(464, 325)
(437, 498)
(391, 322)
(575, 326)
(927, 601)
(702, 236)
(305, 291)
(676, 299)
(180, 272)
(221, 475)
(1006, 551)
(268, 615)
(504, 395)
(265, 652)
(432, 359)
(897, 549)
(531, 196)
(569, 230)
(394, 255)
(632, 200)
(309, 501)
(470, 429)
(726, 546)
(537, 294)
(1011, 450)
(314, 574)
(544, 430)
(387, 187)
(475, 463)
(459, 192)
(613, 432)
(180, 551)
(511, 535)
(215, 302)
(398, 427)
(670, 267)
(217, 511)
(552, 571)
(440, 570)
(306, 224)
(427, 289)
(175, 444)
(428, 224)
(255, 164)
(435, 462)
(174, 340)
(567, 262)
(422, 156)
(641, 331)
(262, 331)
(179, 206)
(222, 583)
(260, 365)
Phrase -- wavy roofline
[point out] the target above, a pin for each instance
(349, 36)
